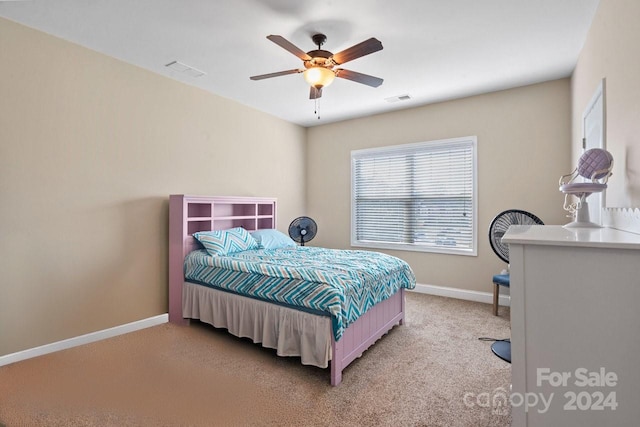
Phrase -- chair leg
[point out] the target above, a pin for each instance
(495, 299)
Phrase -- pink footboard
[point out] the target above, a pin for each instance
(364, 332)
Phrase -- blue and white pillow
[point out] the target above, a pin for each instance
(225, 242)
(269, 238)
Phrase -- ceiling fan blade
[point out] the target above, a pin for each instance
(286, 44)
(315, 93)
(361, 49)
(279, 73)
(365, 79)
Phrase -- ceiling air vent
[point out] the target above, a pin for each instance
(186, 69)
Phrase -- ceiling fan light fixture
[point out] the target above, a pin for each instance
(320, 65)
(319, 77)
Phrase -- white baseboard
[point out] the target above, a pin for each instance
(464, 294)
(83, 339)
(443, 291)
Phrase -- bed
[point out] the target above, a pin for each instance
(324, 306)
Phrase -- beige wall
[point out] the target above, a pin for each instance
(90, 149)
(523, 148)
(611, 51)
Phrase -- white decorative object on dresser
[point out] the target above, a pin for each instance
(575, 326)
(626, 219)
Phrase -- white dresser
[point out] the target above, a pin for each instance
(575, 326)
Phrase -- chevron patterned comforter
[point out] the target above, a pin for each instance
(341, 283)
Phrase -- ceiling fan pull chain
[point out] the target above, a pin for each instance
(317, 108)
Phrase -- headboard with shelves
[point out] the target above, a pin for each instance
(190, 214)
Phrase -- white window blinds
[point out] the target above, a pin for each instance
(416, 197)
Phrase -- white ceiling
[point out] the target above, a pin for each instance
(434, 50)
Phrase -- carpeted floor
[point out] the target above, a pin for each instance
(432, 371)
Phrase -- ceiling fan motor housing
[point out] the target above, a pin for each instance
(319, 58)
(319, 39)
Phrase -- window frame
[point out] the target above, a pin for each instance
(412, 148)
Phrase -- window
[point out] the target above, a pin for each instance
(417, 197)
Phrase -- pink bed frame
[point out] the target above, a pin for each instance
(358, 337)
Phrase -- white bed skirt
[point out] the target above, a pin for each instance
(290, 332)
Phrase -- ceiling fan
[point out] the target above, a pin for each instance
(320, 65)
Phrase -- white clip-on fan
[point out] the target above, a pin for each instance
(594, 167)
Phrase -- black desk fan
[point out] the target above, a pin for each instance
(497, 229)
(303, 229)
